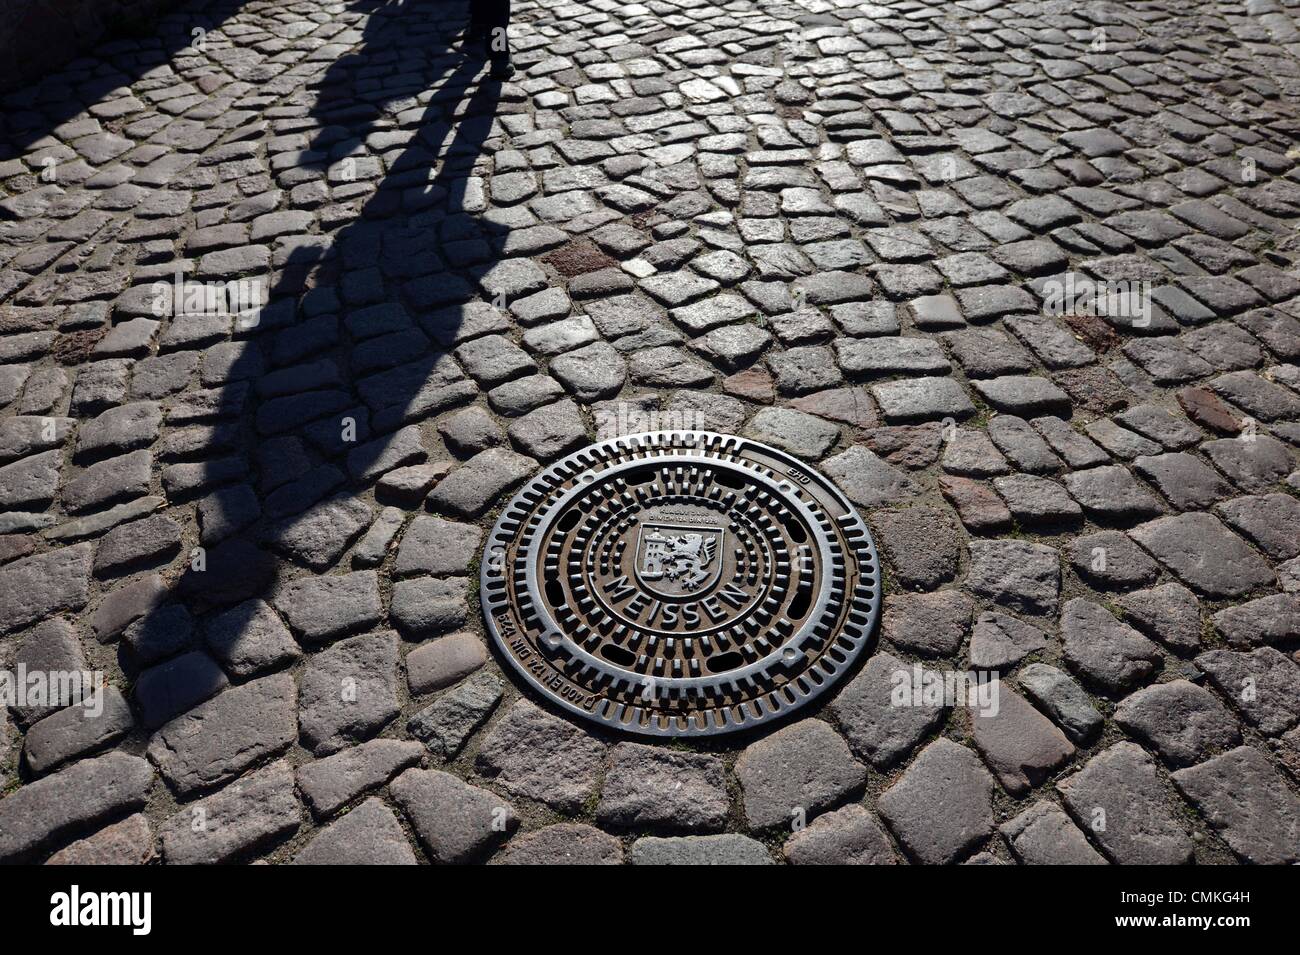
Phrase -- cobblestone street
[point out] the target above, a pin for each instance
(293, 296)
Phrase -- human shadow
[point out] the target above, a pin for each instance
(314, 396)
(352, 343)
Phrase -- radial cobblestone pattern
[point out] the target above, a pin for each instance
(862, 234)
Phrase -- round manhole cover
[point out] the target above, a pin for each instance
(680, 583)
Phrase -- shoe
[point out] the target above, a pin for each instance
(477, 41)
(502, 67)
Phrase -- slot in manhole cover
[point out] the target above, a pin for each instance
(680, 583)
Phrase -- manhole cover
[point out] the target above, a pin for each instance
(680, 583)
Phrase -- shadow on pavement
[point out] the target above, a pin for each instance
(119, 60)
(304, 408)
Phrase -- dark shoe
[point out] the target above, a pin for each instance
(498, 51)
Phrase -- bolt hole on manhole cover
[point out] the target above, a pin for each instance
(680, 583)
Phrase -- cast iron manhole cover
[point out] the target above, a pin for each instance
(680, 583)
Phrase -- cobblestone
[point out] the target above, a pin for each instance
(129, 842)
(446, 724)
(85, 793)
(1245, 799)
(1168, 613)
(648, 786)
(929, 624)
(728, 849)
(255, 811)
(455, 822)
(1184, 722)
(565, 843)
(1020, 744)
(1119, 796)
(999, 640)
(75, 731)
(1104, 652)
(534, 755)
(348, 692)
(847, 836)
(219, 739)
(1181, 543)
(1044, 835)
(796, 772)
(333, 782)
(1021, 575)
(1262, 685)
(1063, 699)
(368, 835)
(877, 730)
(941, 806)
(842, 230)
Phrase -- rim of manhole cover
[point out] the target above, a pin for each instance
(680, 583)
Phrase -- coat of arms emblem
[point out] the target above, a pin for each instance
(678, 561)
